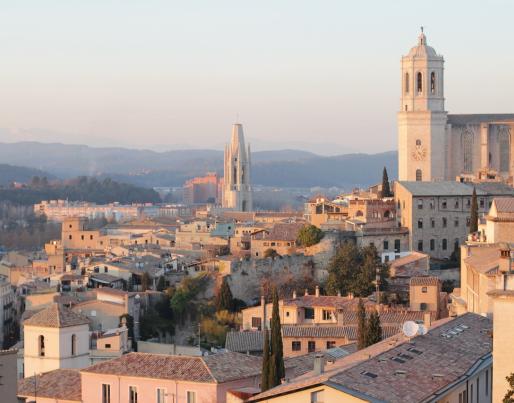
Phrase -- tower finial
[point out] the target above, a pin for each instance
(422, 29)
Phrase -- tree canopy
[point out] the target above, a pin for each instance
(309, 235)
(386, 189)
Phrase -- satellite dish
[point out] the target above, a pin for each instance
(422, 330)
(410, 328)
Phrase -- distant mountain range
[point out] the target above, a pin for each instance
(281, 168)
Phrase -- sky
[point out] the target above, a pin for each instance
(321, 75)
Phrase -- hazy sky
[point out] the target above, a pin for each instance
(317, 75)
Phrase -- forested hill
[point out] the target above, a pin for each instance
(82, 188)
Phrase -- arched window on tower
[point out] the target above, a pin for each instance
(41, 346)
(419, 175)
(467, 147)
(419, 81)
(432, 82)
(407, 83)
(504, 140)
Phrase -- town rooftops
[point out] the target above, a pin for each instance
(502, 209)
(443, 188)
(408, 259)
(484, 259)
(217, 368)
(307, 301)
(402, 370)
(57, 385)
(56, 315)
(424, 281)
(243, 342)
(281, 232)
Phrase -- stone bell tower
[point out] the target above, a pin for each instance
(422, 118)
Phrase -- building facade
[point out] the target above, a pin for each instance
(237, 190)
(434, 145)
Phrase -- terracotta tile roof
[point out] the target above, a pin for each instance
(60, 384)
(422, 357)
(484, 259)
(299, 331)
(410, 258)
(388, 318)
(281, 232)
(424, 281)
(56, 315)
(504, 209)
(217, 368)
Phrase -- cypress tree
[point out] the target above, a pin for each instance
(361, 326)
(225, 301)
(374, 330)
(386, 189)
(265, 362)
(277, 369)
(473, 222)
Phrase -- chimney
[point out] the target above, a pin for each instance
(294, 294)
(319, 364)
(317, 291)
(427, 320)
(306, 292)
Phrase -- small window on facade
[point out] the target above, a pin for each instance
(386, 245)
(423, 306)
(41, 346)
(317, 397)
(482, 203)
(420, 223)
(432, 222)
(107, 345)
(457, 203)
(132, 394)
(397, 243)
(445, 222)
(432, 83)
(309, 313)
(296, 346)
(82, 237)
(106, 393)
(456, 222)
(420, 204)
(420, 246)
(432, 204)
(419, 175)
(424, 289)
(432, 244)
(73, 344)
(418, 142)
(407, 83)
(161, 395)
(444, 204)
(445, 244)
(191, 397)
(420, 83)
(311, 346)
(327, 314)
(331, 344)
(70, 237)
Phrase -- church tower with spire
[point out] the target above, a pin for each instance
(422, 119)
(237, 191)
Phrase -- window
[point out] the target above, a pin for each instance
(420, 83)
(311, 346)
(418, 142)
(70, 237)
(420, 246)
(309, 313)
(41, 344)
(91, 237)
(432, 82)
(424, 290)
(432, 222)
(106, 393)
(73, 344)
(397, 243)
(445, 244)
(423, 306)
(419, 175)
(287, 314)
(296, 346)
(191, 397)
(468, 203)
(457, 203)
(420, 204)
(406, 83)
(445, 222)
(327, 315)
(420, 223)
(107, 345)
(386, 245)
(482, 203)
(331, 344)
(82, 237)
(317, 397)
(432, 244)
(256, 322)
(432, 204)
(132, 394)
(161, 395)
(456, 222)
(444, 204)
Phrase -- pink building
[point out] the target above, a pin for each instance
(149, 378)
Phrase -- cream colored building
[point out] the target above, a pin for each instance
(434, 145)
(237, 189)
(55, 338)
(8, 378)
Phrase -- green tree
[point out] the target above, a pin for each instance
(473, 222)
(386, 189)
(265, 362)
(309, 235)
(161, 283)
(361, 325)
(225, 300)
(146, 281)
(277, 369)
(341, 267)
(509, 396)
(270, 252)
(373, 329)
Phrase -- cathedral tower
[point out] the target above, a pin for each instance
(422, 118)
(237, 192)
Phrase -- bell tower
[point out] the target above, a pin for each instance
(422, 118)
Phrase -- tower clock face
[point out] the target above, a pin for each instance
(419, 153)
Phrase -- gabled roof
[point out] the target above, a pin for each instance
(58, 316)
(58, 385)
(244, 341)
(424, 281)
(216, 368)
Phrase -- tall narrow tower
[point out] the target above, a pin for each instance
(422, 118)
(237, 192)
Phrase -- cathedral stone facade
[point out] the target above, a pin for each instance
(237, 191)
(434, 145)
